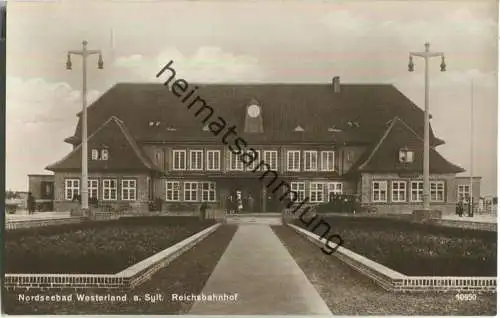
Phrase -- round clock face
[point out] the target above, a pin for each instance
(253, 111)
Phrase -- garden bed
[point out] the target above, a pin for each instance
(105, 247)
(417, 249)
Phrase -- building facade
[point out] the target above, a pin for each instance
(260, 140)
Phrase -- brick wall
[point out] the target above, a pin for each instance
(447, 207)
(142, 189)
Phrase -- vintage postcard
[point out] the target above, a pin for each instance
(251, 157)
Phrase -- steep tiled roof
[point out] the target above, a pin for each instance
(359, 110)
(384, 155)
(124, 153)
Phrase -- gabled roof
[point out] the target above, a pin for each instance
(384, 156)
(124, 153)
(317, 107)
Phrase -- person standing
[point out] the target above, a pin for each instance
(31, 203)
(251, 202)
(203, 211)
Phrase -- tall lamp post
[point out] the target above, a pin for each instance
(84, 53)
(426, 55)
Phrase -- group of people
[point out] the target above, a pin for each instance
(237, 204)
(462, 206)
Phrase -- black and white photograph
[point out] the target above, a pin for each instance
(250, 157)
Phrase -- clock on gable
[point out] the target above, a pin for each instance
(253, 111)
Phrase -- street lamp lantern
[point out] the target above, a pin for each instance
(426, 55)
(68, 62)
(84, 53)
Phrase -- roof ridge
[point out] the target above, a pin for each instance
(80, 145)
(377, 146)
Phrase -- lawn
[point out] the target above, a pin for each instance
(417, 249)
(186, 274)
(105, 247)
(347, 292)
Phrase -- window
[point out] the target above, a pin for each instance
(293, 160)
(271, 158)
(213, 160)
(300, 189)
(463, 192)
(405, 155)
(255, 164)
(95, 154)
(93, 188)
(104, 154)
(173, 192)
(310, 160)
(71, 188)
(334, 188)
(109, 189)
(190, 191)
(327, 161)
(398, 191)
(179, 159)
(196, 159)
(235, 163)
(208, 191)
(316, 192)
(417, 191)
(437, 191)
(129, 189)
(379, 191)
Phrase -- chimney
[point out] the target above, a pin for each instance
(336, 84)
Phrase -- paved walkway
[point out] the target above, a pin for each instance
(482, 218)
(266, 278)
(24, 216)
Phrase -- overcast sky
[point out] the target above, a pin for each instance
(249, 41)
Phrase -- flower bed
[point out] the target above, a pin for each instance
(94, 247)
(417, 249)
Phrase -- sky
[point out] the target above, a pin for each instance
(250, 41)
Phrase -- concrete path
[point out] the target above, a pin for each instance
(265, 277)
(482, 218)
(24, 216)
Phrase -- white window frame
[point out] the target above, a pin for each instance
(380, 189)
(93, 187)
(191, 188)
(309, 163)
(107, 185)
(463, 192)
(399, 191)
(325, 163)
(213, 165)
(300, 189)
(172, 191)
(271, 159)
(438, 186)
(73, 185)
(255, 164)
(104, 154)
(178, 164)
(335, 188)
(128, 187)
(236, 160)
(416, 191)
(197, 163)
(293, 160)
(95, 154)
(208, 190)
(318, 189)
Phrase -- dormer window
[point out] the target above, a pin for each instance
(171, 129)
(333, 129)
(151, 123)
(154, 123)
(405, 155)
(298, 128)
(206, 128)
(100, 154)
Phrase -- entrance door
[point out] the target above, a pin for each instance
(47, 190)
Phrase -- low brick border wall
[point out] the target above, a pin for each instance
(126, 279)
(483, 226)
(391, 280)
(14, 225)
